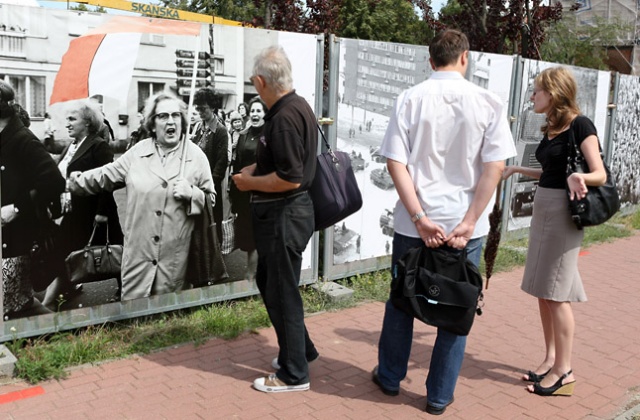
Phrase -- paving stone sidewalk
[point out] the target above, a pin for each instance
(212, 381)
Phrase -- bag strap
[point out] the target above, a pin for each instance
(334, 158)
(575, 157)
(424, 250)
(574, 150)
(93, 233)
(324, 138)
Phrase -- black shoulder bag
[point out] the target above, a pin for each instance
(600, 203)
(334, 191)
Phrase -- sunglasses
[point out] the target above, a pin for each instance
(164, 116)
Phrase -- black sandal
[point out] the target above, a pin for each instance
(534, 377)
(556, 389)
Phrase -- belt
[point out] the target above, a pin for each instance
(257, 198)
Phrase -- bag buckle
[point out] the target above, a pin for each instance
(577, 221)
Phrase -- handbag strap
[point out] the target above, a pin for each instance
(461, 256)
(574, 155)
(324, 138)
(93, 233)
(575, 158)
(327, 145)
(574, 150)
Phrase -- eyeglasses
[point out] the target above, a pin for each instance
(164, 116)
(252, 79)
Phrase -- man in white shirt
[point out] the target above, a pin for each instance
(445, 147)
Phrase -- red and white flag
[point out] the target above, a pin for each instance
(101, 62)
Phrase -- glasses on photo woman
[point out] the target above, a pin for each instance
(164, 116)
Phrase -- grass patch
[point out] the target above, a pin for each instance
(604, 233)
(371, 286)
(48, 356)
(509, 257)
(631, 220)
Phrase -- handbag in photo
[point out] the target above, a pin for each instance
(334, 191)
(438, 287)
(600, 203)
(228, 236)
(205, 266)
(47, 260)
(94, 262)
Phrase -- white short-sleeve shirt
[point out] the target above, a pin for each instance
(444, 129)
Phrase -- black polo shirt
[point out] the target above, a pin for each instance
(289, 144)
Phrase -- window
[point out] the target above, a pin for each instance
(32, 23)
(30, 93)
(147, 89)
(12, 43)
(218, 65)
(152, 39)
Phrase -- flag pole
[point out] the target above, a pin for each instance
(196, 53)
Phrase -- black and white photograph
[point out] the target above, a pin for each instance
(371, 76)
(492, 72)
(93, 95)
(625, 144)
(592, 101)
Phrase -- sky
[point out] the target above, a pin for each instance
(437, 5)
(63, 5)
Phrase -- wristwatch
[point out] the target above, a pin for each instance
(417, 216)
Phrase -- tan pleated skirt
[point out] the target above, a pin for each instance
(551, 270)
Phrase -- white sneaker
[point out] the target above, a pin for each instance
(271, 383)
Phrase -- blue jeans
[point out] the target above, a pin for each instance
(396, 337)
(281, 231)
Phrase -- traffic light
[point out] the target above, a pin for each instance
(184, 71)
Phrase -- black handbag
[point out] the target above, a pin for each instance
(205, 265)
(600, 203)
(47, 260)
(94, 262)
(334, 191)
(438, 287)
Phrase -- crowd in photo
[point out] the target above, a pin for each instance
(73, 190)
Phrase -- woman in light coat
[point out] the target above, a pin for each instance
(161, 204)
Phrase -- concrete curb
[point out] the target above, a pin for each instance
(7, 363)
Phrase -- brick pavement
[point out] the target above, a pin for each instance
(212, 381)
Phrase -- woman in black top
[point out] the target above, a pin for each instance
(83, 214)
(30, 181)
(245, 155)
(551, 271)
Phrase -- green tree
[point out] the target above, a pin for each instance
(83, 8)
(239, 10)
(502, 26)
(572, 43)
(380, 20)
(385, 20)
